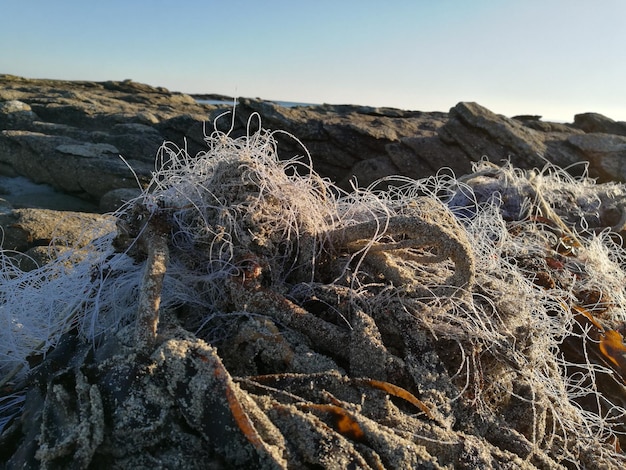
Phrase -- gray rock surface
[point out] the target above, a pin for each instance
(33, 237)
(70, 135)
(482, 133)
(606, 154)
(358, 141)
(594, 122)
(24, 229)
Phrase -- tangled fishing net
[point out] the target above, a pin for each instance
(246, 312)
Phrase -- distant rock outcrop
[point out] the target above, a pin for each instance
(594, 122)
(71, 135)
(482, 133)
(360, 142)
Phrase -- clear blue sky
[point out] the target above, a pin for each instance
(554, 58)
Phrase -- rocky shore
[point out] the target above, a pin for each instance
(70, 135)
(237, 313)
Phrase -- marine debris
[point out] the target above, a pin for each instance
(248, 313)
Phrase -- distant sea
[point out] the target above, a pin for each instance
(286, 104)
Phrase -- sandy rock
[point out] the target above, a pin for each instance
(15, 114)
(24, 229)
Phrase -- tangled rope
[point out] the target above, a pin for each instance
(267, 318)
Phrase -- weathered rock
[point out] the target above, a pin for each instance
(529, 142)
(188, 130)
(24, 229)
(15, 114)
(433, 154)
(97, 105)
(605, 153)
(535, 122)
(136, 141)
(482, 133)
(357, 141)
(595, 122)
(365, 172)
(81, 168)
(70, 134)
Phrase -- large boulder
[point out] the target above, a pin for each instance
(480, 133)
(82, 168)
(15, 114)
(24, 229)
(606, 154)
(595, 122)
(529, 143)
(33, 237)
